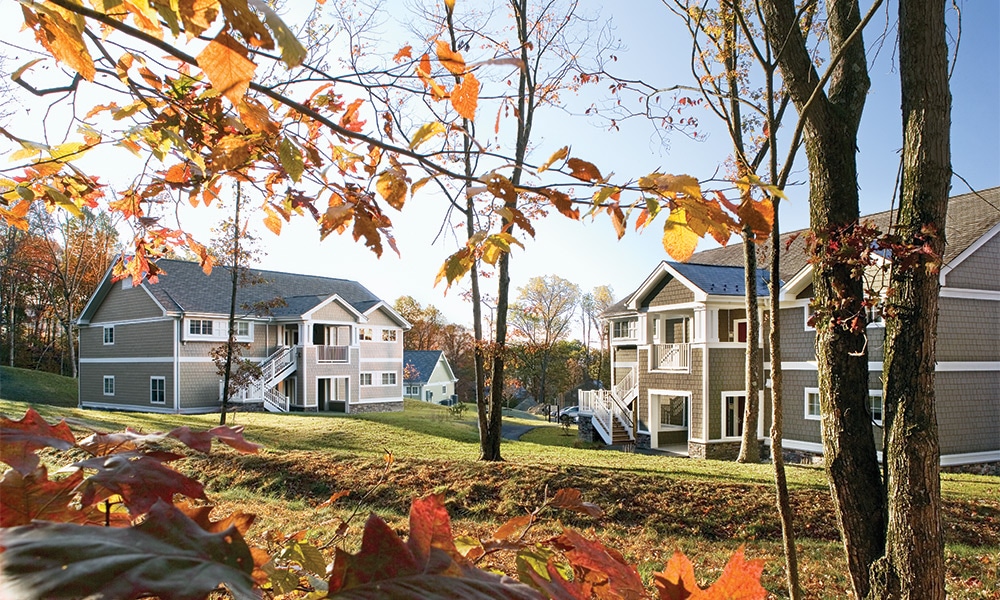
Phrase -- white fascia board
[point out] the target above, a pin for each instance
(796, 284)
(973, 247)
(662, 269)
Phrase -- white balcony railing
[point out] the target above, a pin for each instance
(332, 354)
(671, 357)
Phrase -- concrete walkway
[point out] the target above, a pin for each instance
(514, 432)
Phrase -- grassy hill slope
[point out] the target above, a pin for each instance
(37, 387)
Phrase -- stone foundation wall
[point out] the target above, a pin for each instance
(375, 407)
(585, 431)
(721, 450)
(643, 441)
(801, 457)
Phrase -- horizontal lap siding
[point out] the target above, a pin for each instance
(132, 384)
(968, 411)
(134, 340)
(796, 426)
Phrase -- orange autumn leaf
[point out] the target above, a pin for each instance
(350, 120)
(62, 39)
(465, 97)
(424, 72)
(452, 61)
(583, 170)
(403, 54)
(740, 580)
(225, 63)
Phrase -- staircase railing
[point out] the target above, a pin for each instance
(625, 385)
(274, 367)
(274, 402)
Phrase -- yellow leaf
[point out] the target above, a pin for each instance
(197, 15)
(419, 184)
(225, 63)
(426, 131)
(678, 239)
(449, 4)
(452, 61)
(557, 155)
(292, 51)
(67, 151)
(465, 96)
(391, 185)
(256, 117)
(455, 267)
(240, 17)
(601, 195)
(231, 152)
(671, 185)
(291, 159)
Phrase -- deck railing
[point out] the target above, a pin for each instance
(671, 357)
(610, 406)
(332, 354)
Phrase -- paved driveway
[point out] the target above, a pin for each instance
(514, 432)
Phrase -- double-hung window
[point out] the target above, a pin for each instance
(109, 335)
(366, 379)
(388, 335)
(200, 327)
(157, 390)
(388, 379)
(109, 385)
(812, 404)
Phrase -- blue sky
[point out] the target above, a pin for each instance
(656, 48)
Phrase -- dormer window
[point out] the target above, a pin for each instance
(200, 327)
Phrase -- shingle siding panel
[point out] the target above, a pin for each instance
(968, 411)
(126, 305)
(980, 270)
(335, 312)
(797, 343)
(670, 291)
(968, 330)
(199, 388)
(132, 385)
(681, 382)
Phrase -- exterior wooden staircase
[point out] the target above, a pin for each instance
(612, 415)
(274, 369)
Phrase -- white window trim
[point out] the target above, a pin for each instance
(395, 335)
(722, 414)
(361, 379)
(805, 401)
(876, 393)
(687, 409)
(382, 377)
(109, 328)
(151, 380)
(108, 378)
(371, 334)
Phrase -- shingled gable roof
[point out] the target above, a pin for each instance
(423, 361)
(970, 217)
(185, 288)
(712, 280)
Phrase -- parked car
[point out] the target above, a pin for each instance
(570, 413)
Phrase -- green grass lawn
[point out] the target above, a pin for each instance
(654, 503)
(37, 387)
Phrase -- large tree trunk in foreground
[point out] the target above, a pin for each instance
(914, 563)
(830, 132)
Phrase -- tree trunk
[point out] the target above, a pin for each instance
(231, 337)
(750, 445)
(914, 563)
(830, 126)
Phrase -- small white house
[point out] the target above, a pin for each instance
(427, 376)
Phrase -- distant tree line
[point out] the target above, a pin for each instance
(48, 271)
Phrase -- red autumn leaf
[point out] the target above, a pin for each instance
(139, 479)
(202, 440)
(350, 120)
(572, 499)
(35, 497)
(428, 566)
(583, 170)
(168, 556)
(604, 567)
(20, 439)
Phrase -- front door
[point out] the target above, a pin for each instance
(291, 335)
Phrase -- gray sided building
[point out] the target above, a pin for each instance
(324, 345)
(679, 346)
